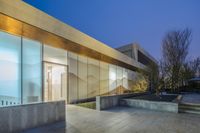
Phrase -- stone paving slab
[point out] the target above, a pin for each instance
(122, 120)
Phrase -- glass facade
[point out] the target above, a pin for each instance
(35, 72)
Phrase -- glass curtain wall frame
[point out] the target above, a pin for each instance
(10, 69)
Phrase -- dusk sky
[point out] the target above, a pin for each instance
(120, 22)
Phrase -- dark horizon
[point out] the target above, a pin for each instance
(117, 23)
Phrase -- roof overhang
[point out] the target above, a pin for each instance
(19, 18)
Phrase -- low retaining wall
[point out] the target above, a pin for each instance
(106, 102)
(18, 118)
(153, 105)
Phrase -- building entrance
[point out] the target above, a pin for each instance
(55, 82)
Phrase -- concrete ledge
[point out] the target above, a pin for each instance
(106, 102)
(153, 105)
(18, 118)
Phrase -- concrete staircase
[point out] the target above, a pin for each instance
(189, 108)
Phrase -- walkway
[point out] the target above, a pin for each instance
(123, 120)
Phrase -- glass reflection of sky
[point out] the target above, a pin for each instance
(10, 55)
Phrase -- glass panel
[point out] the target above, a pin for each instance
(32, 87)
(125, 78)
(112, 79)
(55, 55)
(136, 79)
(93, 77)
(130, 80)
(140, 83)
(104, 78)
(55, 82)
(10, 69)
(73, 77)
(120, 88)
(82, 77)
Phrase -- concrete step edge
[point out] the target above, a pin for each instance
(189, 104)
(189, 111)
(189, 108)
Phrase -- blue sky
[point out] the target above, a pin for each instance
(119, 22)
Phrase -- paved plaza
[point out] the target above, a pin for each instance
(122, 120)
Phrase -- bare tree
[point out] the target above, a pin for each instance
(162, 76)
(175, 50)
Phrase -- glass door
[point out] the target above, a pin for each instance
(55, 82)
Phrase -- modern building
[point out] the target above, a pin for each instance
(43, 59)
(136, 52)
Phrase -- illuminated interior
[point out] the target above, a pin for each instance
(55, 82)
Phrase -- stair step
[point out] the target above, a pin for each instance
(190, 104)
(189, 111)
(189, 108)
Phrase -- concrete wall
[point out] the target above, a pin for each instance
(17, 118)
(159, 106)
(106, 102)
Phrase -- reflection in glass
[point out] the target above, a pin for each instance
(120, 89)
(55, 82)
(93, 77)
(87, 77)
(73, 77)
(55, 55)
(104, 78)
(82, 77)
(112, 79)
(125, 78)
(32, 69)
(10, 69)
